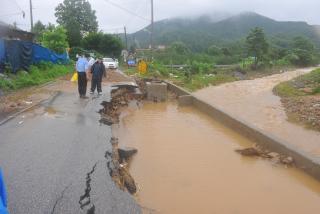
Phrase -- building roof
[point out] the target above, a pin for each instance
(10, 32)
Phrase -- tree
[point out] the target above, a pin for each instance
(214, 50)
(105, 44)
(73, 33)
(257, 45)
(38, 30)
(78, 18)
(110, 45)
(302, 51)
(92, 41)
(55, 39)
(179, 48)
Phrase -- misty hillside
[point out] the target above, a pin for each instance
(202, 32)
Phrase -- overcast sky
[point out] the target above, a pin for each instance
(112, 19)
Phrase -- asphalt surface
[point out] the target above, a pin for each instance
(53, 159)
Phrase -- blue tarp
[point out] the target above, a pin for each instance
(2, 55)
(2, 51)
(3, 197)
(44, 54)
(20, 54)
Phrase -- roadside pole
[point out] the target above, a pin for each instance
(31, 15)
(125, 34)
(151, 34)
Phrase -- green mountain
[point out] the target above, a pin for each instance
(200, 33)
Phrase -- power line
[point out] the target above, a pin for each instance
(138, 8)
(12, 14)
(127, 10)
(18, 13)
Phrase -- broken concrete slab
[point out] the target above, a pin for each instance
(126, 152)
(156, 91)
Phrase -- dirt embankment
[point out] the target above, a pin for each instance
(301, 99)
(304, 110)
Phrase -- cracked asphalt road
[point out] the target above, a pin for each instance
(53, 159)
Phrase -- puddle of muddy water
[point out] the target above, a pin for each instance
(50, 110)
(186, 164)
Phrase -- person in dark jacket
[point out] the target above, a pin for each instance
(98, 70)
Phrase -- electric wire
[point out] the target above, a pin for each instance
(126, 10)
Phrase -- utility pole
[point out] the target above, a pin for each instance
(125, 35)
(151, 34)
(31, 15)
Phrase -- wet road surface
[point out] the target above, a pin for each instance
(253, 101)
(53, 159)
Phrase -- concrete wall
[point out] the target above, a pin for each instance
(308, 163)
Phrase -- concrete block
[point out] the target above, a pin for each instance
(157, 91)
(185, 100)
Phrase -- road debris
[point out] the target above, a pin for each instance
(258, 151)
(118, 169)
(125, 153)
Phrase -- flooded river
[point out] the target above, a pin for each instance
(254, 102)
(186, 164)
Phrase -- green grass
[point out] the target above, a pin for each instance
(38, 74)
(178, 77)
(201, 81)
(286, 89)
(290, 88)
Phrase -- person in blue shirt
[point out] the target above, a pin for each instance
(82, 67)
(3, 197)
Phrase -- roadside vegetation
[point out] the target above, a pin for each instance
(81, 37)
(256, 56)
(38, 74)
(188, 62)
(78, 37)
(308, 84)
(301, 99)
(191, 78)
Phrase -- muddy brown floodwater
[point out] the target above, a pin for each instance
(186, 164)
(254, 102)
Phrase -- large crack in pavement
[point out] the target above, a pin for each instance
(116, 167)
(59, 199)
(85, 200)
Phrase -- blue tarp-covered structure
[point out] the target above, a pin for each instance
(21, 54)
(2, 55)
(44, 54)
(18, 54)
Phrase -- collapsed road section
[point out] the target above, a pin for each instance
(187, 161)
(121, 96)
